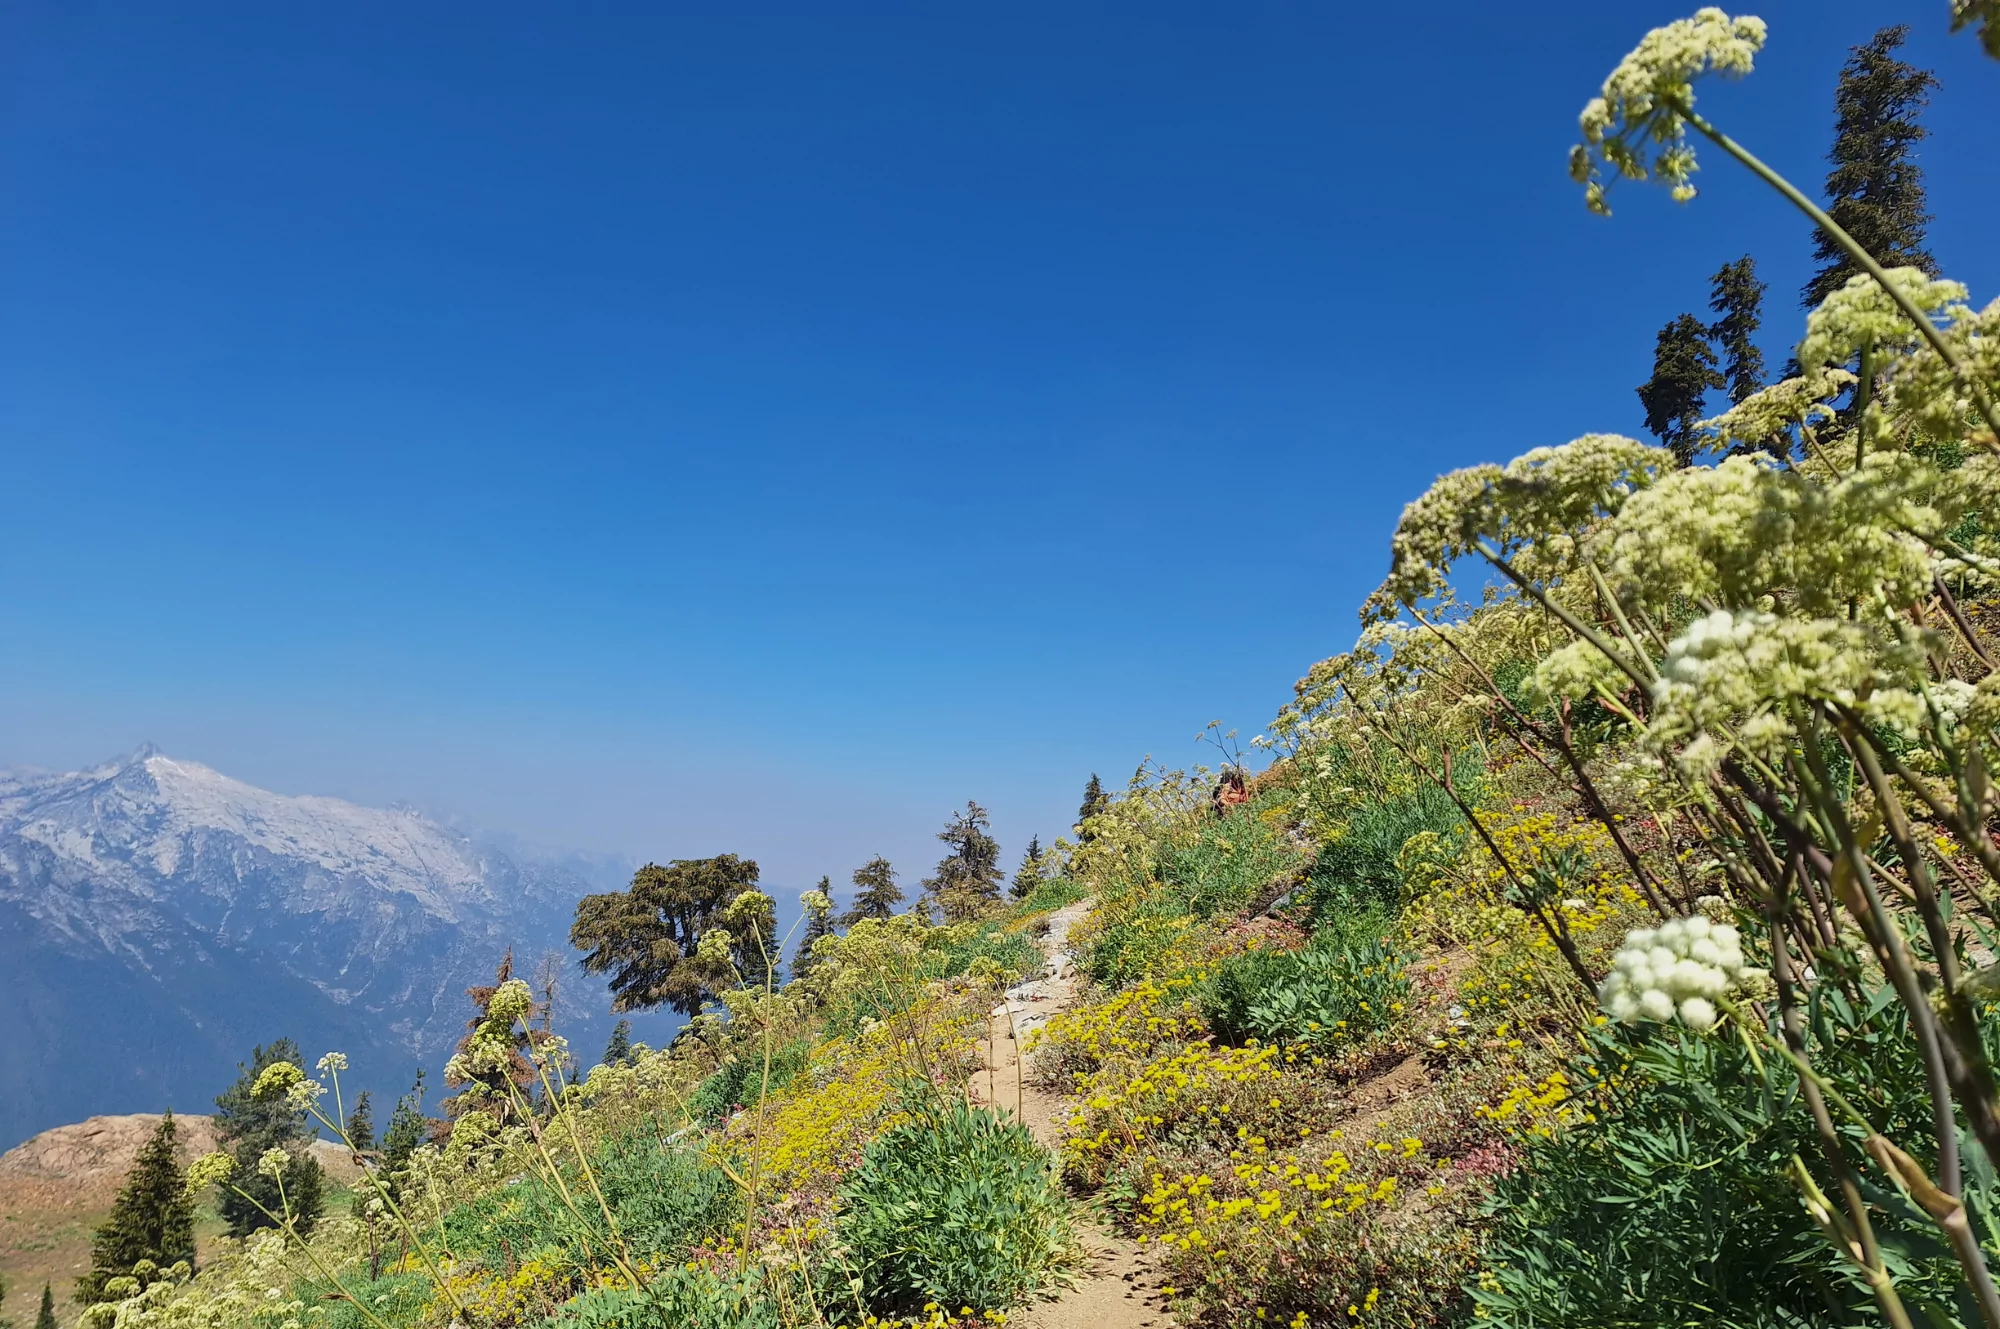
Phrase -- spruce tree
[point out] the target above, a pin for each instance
(818, 923)
(1094, 802)
(968, 878)
(1875, 191)
(1737, 298)
(407, 1129)
(876, 894)
(618, 1050)
(248, 1128)
(361, 1124)
(152, 1218)
(46, 1317)
(1029, 875)
(1683, 372)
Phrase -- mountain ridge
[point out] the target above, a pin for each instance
(161, 917)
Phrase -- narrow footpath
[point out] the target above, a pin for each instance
(1113, 1289)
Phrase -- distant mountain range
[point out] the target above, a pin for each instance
(158, 918)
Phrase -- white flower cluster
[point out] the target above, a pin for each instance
(1746, 529)
(1537, 499)
(1741, 671)
(1646, 97)
(1862, 314)
(1677, 969)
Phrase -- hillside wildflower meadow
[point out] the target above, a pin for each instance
(1609, 938)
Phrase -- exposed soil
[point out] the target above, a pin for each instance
(1115, 1288)
(58, 1186)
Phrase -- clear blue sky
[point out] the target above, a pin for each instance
(669, 430)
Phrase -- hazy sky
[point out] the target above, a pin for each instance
(673, 430)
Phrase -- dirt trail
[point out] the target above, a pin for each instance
(1114, 1289)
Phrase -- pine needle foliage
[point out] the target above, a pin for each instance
(1737, 299)
(876, 893)
(248, 1127)
(151, 1220)
(647, 937)
(1875, 190)
(1684, 369)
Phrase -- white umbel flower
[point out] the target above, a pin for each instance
(1677, 970)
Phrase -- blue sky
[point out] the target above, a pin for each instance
(673, 430)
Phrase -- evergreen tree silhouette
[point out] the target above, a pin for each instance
(1029, 874)
(618, 1051)
(1737, 298)
(1875, 191)
(248, 1127)
(151, 1220)
(1094, 802)
(1683, 372)
(876, 892)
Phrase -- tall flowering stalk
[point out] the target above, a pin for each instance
(1775, 658)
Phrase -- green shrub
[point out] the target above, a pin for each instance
(1051, 894)
(740, 1082)
(398, 1299)
(1014, 952)
(1337, 988)
(956, 1206)
(665, 1198)
(1230, 860)
(678, 1297)
(1357, 871)
(1675, 1207)
(1126, 949)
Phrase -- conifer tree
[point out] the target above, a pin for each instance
(1875, 190)
(1093, 803)
(248, 1127)
(1029, 874)
(407, 1129)
(152, 1218)
(876, 894)
(1737, 298)
(1683, 372)
(46, 1317)
(618, 1050)
(818, 923)
(968, 878)
(648, 936)
(361, 1124)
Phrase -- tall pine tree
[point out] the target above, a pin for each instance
(1683, 372)
(248, 1127)
(1094, 802)
(968, 878)
(407, 1128)
(876, 893)
(46, 1317)
(152, 1218)
(618, 1049)
(1737, 298)
(361, 1124)
(1875, 191)
(1029, 875)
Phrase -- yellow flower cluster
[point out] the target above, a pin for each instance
(497, 1300)
(1540, 1107)
(816, 1128)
